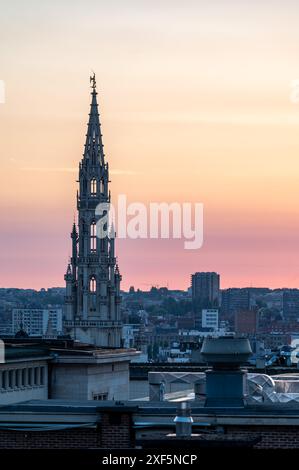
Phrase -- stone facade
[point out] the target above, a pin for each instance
(73, 372)
(108, 381)
(23, 381)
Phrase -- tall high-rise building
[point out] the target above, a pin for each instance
(92, 303)
(206, 288)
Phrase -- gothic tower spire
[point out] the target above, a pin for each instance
(92, 307)
(93, 144)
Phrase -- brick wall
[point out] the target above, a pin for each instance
(114, 431)
(273, 437)
(66, 439)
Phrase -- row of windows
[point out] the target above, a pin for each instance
(93, 237)
(19, 378)
(94, 186)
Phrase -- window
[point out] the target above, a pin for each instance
(93, 237)
(100, 396)
(93, 284)
(93, 187)
(102, 186)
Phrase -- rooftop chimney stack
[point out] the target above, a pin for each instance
(225, 382)
(183, 420)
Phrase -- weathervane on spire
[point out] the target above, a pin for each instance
(92, 79)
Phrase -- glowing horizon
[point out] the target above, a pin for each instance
(195, 106)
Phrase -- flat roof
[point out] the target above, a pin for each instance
(30, 350)
(146, 407)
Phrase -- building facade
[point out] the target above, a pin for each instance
(234, 300)
(290, 305)
(36, 322)
(209, 318)
(246, 322)
(205, 288)
(24, 375)
(92, 303)
(41, 369)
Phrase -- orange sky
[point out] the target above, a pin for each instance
(195, 106)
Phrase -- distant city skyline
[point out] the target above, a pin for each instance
(195, 106)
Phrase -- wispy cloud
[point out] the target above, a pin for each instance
(125, 172)
(49, 169)
(278, 119)
(75, 170)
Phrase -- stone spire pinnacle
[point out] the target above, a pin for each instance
(74, 229)
(94, 148)
(68, 274)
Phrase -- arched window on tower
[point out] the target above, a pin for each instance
(93, 284)
(102, 186)
(93, 187)
(93, 237)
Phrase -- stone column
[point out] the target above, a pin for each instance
(6, 379)
(19, 372)
(42, 375)
(13, 378)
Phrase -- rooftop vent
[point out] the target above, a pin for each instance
(225, 382)
(183, 420)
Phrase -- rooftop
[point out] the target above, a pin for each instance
(157, 414)
(18, 349)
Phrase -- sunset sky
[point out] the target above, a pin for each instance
(195, 106)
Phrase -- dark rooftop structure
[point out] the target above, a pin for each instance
(219, 422)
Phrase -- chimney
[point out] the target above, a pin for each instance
(225, 381)
(183, 420)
